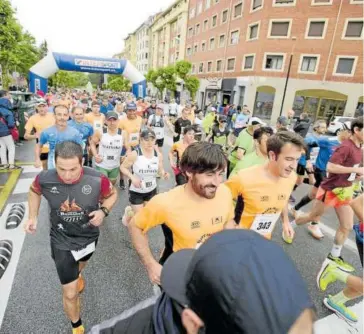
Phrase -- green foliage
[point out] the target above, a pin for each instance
(183, 67)
(95, 78)
(43, 49)
(69, 79)
(192, 84)
(118, 83)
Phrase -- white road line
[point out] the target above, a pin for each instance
(17, 236)
(31, 169)
(23, 186)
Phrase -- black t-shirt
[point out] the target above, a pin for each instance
(180, 124)
(219, 136)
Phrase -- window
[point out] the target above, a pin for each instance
(200, 68)
(216, 1)
(218, 65)
(207, 4)
(214, 21)
(205, 25)
(321, 2)
(230, 64)
(234, 37)
(253, 31)
(308, 64)
(248, 62)
(221, 41)
(316, 28)
(189, 51)
(356, 2)
(212, 43)
(195, 49)
(193, 69)
(353, 29)
(345, 65)
(280, 29)
(197, 28)
(190, 32)
(273, 62)
(256, 4)
(224, 16)
(238, 10)
(192, 13)
(199, 8)
(284, 3)
(203, 46)
(209, 66)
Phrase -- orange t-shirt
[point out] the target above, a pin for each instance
(131, 128)
(264, 198)
(191, 222)
(97, 121)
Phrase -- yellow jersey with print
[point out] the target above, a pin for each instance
(264, 197)
(96, 121)
(39, 123)
(191, 221)
(132, 129)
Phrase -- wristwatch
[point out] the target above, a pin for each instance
(105, 211)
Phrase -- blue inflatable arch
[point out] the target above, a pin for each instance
(53, 62)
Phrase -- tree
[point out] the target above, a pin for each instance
(70, 79)
(95, 78)
(43, 49)
(119, 84)
(183, 67)
(192, 84)
(154, 76)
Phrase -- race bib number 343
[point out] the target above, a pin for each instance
(264, 223)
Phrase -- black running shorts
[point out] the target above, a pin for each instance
(43, 156)
(160, 142)
(66, 265)
(301, 170)
(319, 177)
(139, 198)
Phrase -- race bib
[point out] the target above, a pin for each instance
(149, 184)
(158, 132)
(134, 137)
(264, 223)
(110, 158)
(97, 125)
(352, 176)
(314, 154)
(90, 248)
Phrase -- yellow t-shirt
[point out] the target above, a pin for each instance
(178, 147)
(263, 198)
(191, 222)
(39, 123)
(191, 116)
(97, 122)
(132, 129)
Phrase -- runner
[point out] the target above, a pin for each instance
(95, 118)
(260, 155)
(151, 110)
(192, 212)
(146, 164)
(156, 123)
(282, 123)
(37, 123)
(177, 150)
(84, 128)
(326, 146)
(74, 194)
(337, 190)
(173, 111)
(64, 101)
(265, 189)
(332, 273)
(220, 134)
(244, 144)
(240, 120)
(209, 121)
(56, 134)
(180, 124)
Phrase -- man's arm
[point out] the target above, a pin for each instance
(109, 201)
(94, 140)
(127, 164)
(34, 198)
(338, 169)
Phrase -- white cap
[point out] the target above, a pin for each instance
(255, 121)
(213, 109)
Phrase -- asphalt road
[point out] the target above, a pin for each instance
(115, 279)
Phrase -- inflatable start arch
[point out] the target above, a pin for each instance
(50, 64)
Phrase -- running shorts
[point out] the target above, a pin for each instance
(43, 156)
(159, 142)
(319, 177)
(330, 199)
(301, 170)
(139, 198)
(66, 265)
(112, 174)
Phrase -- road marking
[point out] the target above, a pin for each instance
(31, 169)
(23, 186)
(17, 236)
(8, 187)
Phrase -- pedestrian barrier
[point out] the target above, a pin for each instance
(15, 217)
(6, 250)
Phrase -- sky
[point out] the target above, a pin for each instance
(85, 27)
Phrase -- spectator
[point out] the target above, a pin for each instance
(282, 123)
(302, 125)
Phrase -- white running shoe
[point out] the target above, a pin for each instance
(315, 231)
(128, 213)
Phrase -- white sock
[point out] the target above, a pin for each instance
(336, 250)
(293, 224)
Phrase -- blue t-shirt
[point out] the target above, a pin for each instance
(104, 109)
(327, 147)
(309, 140)
(85, 129)
(52, 136)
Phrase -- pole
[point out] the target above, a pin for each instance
(286, 84)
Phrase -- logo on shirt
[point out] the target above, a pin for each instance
(264, 198)
(282, 197)
(216, 220)
(202, 239)
(271, 211)
(71, 212)
(86, 189)
(54, 190)
(195, 224)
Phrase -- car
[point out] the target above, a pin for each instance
(336, 124)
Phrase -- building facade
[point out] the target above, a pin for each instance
(169, 35)
(130, 48)
(274, 55)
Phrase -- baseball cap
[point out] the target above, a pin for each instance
(222, 118)
(236, 279)
(42, 102)
(160, 106)
(255, 121)
(145, 134)
(282, 120)
(112, 114)
(131, 106)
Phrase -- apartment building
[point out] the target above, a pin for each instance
(169, 35)
(274, 55)
(130, 48)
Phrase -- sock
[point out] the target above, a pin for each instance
(304, 200)
(293, 224)
(295, 187)
(340, 298)
(336, 250)
(77, 323)
(342, 276)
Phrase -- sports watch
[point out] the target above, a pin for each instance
(105, 211)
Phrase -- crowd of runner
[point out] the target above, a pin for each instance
(232, 172)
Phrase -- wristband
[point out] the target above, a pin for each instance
(105, 211)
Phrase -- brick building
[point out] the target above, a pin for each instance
(279, 54)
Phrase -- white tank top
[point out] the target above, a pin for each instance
(110, 149)
(146, 170)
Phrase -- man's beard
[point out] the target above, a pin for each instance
(202, 190)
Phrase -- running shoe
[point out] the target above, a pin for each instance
(315, 231)
(81, 284)
(326, 276)
(3, 167)
(341, 310)
(78, 330)
(341, 263)
(13, 167)
(286, 239)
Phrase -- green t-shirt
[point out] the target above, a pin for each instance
(249, 160)
(208, 122)
(245, 141)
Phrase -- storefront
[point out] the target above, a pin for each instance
(228, 92)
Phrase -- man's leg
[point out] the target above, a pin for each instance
(71, 301)
(345, 215)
